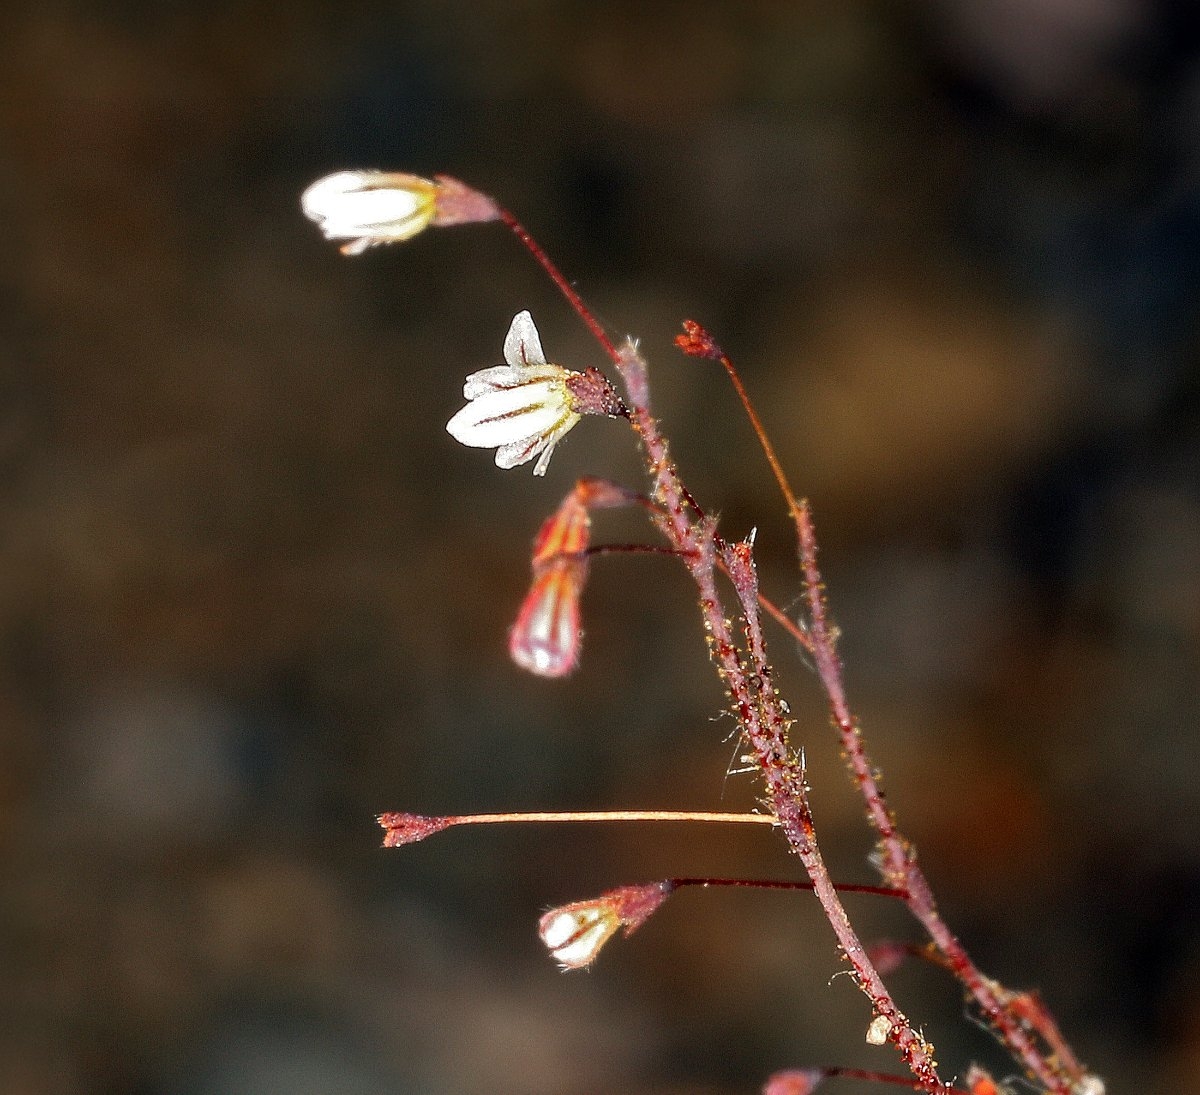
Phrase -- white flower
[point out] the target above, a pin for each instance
(370, 207)
(524, 408)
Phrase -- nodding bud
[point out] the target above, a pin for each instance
(546, 637)
(367, 208)
(794, 1082)
(575, 933)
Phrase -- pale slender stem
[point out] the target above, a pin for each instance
(715, 817)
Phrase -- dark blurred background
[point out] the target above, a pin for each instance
(251, 593)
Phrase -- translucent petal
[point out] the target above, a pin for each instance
(522, 344)
(519, 452)
(544, 460)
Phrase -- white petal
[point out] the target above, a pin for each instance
(502, 417)
(552, 439)
(540, 469)
(381, 205)
(519, 452)
(522, 345)
(500, 377)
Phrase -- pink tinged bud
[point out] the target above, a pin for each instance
(565, 532)
(546, 637)
(575, 933)
(400, 829)
(794, 1082)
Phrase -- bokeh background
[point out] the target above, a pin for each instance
(251, 593)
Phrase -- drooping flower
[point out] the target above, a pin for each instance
(373, 207)
(523, 408)
(575, 933)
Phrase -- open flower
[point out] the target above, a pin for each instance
(524, 408)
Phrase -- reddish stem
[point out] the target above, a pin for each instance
(773, 884)
(899, 856)
(884, 1078)
(564, 286)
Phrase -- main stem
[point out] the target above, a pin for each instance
(763, 722)
(759, 713)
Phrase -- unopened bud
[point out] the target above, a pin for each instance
(366, 208)
(575, 933)
(794, 1082)
(546, 637)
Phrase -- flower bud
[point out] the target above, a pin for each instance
(369, 207)
(794, 1082)
(575, 933)
(546, 637)
(373, 207)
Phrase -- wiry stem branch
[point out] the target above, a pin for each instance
(759, 714)
(900, 864)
